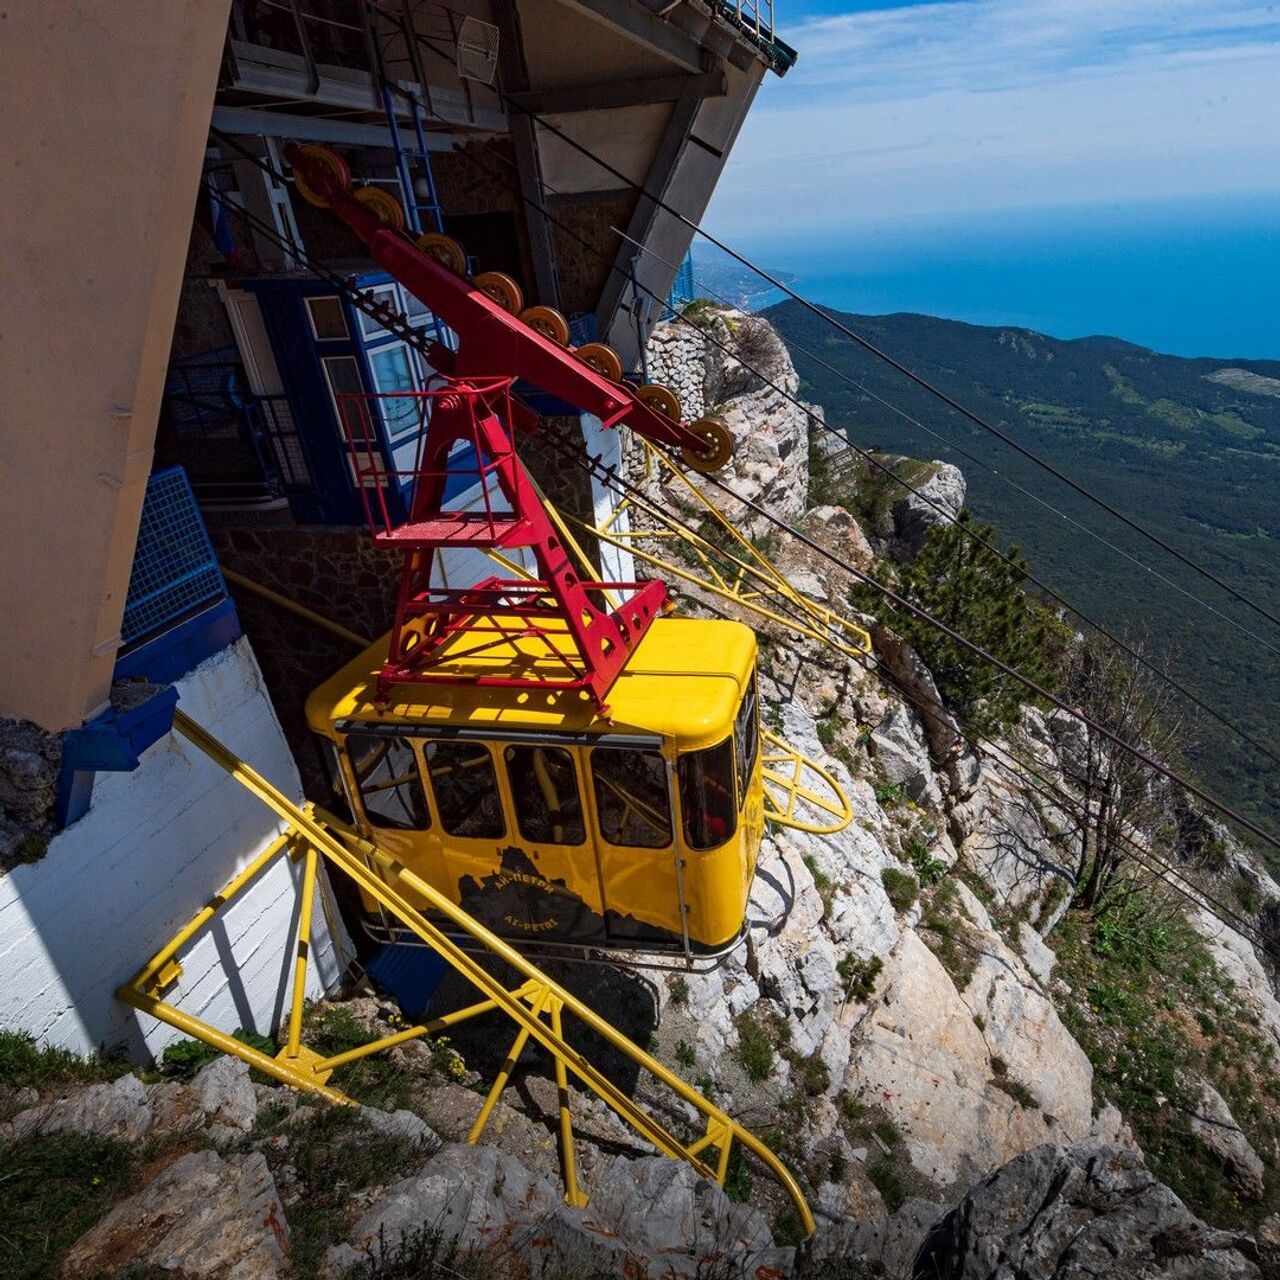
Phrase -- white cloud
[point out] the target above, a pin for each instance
(997, 104)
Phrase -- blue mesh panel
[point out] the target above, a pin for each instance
(174, 570)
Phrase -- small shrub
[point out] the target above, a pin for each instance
(680, 991)
(787, 1228)
(902, 888)
(737, 1178)
(1247, 894)
(755, 1045)
(185, 1059)
(815, 1075)
(30, 849)
(837, 1165)
(927, 868)
(887, 1180)
(1016, 1090)
(859, 974)
(890, 794)
(686, 1055)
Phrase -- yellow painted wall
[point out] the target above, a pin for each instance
(105, 108)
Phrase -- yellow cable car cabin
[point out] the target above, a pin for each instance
(552, 826)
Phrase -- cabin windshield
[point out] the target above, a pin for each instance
(707, 795)
(466, 790)
(386, 774)
(633, 802)
(544, 786)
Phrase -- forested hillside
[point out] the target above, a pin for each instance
(1189, 448)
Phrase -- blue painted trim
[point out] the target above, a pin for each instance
(112, 742)
(173, 653)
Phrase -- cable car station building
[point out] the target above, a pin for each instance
(204, 329)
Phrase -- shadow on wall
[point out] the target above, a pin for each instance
(154, 847)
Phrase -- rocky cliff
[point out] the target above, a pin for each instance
(955, 1062)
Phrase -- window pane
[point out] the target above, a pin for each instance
(390, 786)
(466, 790)
(746, 740)
(706, 796)
(632, 797)
(327, 320)
(544, 786)
(370, 327)
(392, 372)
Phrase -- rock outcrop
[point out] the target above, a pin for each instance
(1079, 1213)
(205, 1215)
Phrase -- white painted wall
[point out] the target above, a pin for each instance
(153, 848)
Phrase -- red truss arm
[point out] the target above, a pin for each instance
(491, 342)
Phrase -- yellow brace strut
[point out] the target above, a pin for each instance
(537, 1005)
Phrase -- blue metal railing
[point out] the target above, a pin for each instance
(175, 574)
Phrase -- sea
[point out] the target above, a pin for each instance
(1190, 278)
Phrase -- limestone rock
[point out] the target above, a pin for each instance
(205, 1215)
(937, 500)
(1215, 1126)
(1079, 1213)
(401, 1124)
(886, 1246)
(120, 1109)
(476, 1196)
(224, 1092)
(900, 750)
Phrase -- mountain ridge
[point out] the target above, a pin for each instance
(1187, 446)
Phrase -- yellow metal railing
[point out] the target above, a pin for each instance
(537, 1004)
(789, 791)
(732, 568)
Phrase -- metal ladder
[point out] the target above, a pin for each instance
(413, 158)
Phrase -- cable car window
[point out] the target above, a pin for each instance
(466, 790)
(544, 786)
(394, 378)
(746, 740)
(632, 799)
(386, 771)
(706, 796)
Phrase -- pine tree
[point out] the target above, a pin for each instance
(957, 580)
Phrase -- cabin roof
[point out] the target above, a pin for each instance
(684, 681)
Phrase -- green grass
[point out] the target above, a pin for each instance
(376, 1080)
(949, 934)
(25, 1064)
(53, 1188)
(901, 886)
(1149, 1006)
(756, 1040)
(335, 1156)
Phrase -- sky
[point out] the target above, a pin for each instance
(1079, 166)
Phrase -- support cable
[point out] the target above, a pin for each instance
(596, 468)
(1033, 685)
(872, 460)
(874, 350)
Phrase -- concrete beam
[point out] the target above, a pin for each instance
(618, 93)
(657, 181)
(279, 124)
(106, 109)
(638, 23)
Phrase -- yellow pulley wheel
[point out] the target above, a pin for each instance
(660, 399)
(333, 162)
(502, 289)
(719, 446)
(445, 250)
(604, 360)
(548, 322)
(383, 205)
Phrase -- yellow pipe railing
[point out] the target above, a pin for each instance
(378, 874)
